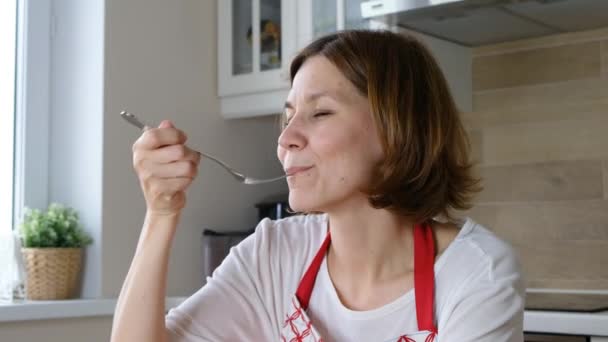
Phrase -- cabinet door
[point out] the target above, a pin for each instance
(255, 39)
(241, 48)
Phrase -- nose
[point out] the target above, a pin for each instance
(292, 137)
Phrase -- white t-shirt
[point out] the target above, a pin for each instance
(479, 291)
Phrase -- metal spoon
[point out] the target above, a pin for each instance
(132, 119)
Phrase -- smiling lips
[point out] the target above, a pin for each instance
(294, 170)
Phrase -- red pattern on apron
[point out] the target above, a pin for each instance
(299, 328)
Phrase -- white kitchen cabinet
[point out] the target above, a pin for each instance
(253, 75)
(256, 40)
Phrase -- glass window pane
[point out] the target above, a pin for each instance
(242, 47)
(270, 34)
(8, 27)
(324, 16)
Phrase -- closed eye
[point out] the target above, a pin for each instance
(320, 114)
(286, 119)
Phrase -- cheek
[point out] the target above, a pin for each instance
(333, 147)
(342, 151)
(354, 155)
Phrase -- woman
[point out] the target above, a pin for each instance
(373, 146)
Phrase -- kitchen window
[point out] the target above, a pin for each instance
(25, 60)
(8, 54)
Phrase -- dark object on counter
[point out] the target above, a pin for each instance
(216, 245)
(533, 337)
(274, 208)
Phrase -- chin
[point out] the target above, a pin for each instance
(301, 203)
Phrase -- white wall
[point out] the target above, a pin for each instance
(161, 63)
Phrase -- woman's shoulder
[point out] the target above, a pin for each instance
(294, 239)
(479, 279)
(481, 243)
(298, 229)
(477, 257)
(285, 247)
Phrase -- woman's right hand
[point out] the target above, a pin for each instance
(165, 167)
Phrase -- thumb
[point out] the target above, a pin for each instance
(166, 124)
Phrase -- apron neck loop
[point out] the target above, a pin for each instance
(424, 276)
(308, 280)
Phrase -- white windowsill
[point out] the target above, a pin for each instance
(37, 310)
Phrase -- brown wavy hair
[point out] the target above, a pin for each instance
(427, 171)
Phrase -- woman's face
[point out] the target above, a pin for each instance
(329, 146)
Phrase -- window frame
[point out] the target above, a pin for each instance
(8, 122)
(32, 106)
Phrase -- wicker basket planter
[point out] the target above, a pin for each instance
(52, 273)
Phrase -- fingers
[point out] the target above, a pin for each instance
(167, 162)
(166, 134)
(166, 124)
(171, 153)
(165, 166)
(178, 169)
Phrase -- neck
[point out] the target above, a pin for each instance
(369, 246)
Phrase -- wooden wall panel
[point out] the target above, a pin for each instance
(553, 181)
(605, 57)
(539, 129)
(537, 66)
(552, 94)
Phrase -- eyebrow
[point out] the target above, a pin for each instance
(312, 97)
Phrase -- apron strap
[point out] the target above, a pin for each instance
(308, 281)
(424, 276)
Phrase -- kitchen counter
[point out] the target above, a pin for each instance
(563, 322)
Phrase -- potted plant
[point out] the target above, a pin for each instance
(52, 244)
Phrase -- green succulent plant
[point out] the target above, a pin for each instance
(57, 227)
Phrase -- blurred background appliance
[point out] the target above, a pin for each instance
(216, 244)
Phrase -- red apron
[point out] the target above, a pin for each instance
(298, 327)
